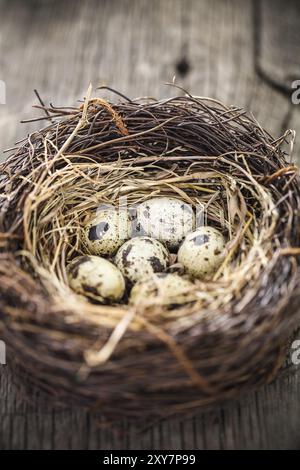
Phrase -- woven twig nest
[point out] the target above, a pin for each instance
(154, 360)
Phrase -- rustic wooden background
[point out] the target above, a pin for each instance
(242, 52)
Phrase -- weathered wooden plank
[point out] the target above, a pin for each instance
(136, 46)
(133, 47)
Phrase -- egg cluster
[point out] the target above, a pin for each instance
(134, 251)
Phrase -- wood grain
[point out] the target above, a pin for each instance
(244, 53)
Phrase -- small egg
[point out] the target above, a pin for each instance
(202, 252)
(162, 288)
(167, 219)
(106, 232)
(96, 278)
(140, 257)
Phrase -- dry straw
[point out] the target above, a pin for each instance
(149, 360)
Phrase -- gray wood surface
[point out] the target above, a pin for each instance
(242, 52)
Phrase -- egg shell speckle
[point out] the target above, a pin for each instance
(96, 278)
(106, 232)
(167, 219)
(202, 252)
(140, 257)
(166, 289)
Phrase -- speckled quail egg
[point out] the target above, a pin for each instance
(106, 232)
(96, 278)
(163, 288)
(167, 219)
(202, 251)
(140, 257)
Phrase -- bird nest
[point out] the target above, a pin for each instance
(149, 359)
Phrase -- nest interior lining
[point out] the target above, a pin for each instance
(231, 336)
